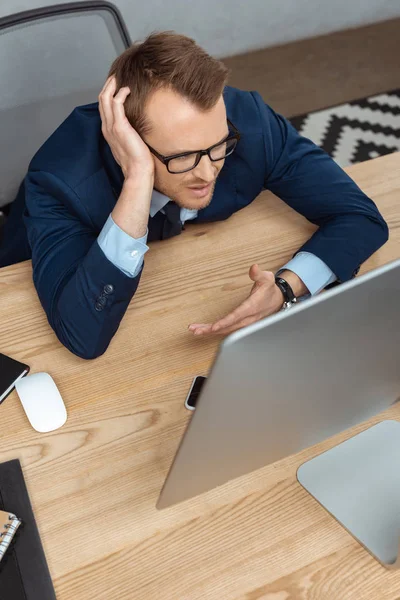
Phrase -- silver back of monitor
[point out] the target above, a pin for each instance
(291, 381)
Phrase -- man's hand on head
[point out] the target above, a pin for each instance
(131, 212)
(128, 148)
(265, 299)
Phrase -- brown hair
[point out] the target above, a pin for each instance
(167, 59)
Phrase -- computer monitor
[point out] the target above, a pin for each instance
(292, 380)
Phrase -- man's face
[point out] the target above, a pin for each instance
(178, 126)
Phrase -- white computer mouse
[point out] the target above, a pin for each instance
(42, 402)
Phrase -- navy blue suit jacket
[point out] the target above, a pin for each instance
(73, 183)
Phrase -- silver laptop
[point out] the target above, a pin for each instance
(291, 381)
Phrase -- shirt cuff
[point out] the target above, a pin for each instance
(313, 272)
(124, 251)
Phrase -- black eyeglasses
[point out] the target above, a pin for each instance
(186, 161)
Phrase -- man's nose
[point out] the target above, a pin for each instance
(206, 169)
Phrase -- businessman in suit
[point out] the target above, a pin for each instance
(169, 143)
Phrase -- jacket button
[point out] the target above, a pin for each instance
(100, 303)
(108, 289)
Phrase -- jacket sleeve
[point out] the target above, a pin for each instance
(307, 179)
(83, 294)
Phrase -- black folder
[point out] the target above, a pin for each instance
(24, 574)
(10, 371)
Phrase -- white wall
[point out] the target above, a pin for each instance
(227, 27)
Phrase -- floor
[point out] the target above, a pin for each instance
(312, 74)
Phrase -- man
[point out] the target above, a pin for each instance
(169, 143)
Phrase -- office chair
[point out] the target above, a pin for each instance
(53, 59)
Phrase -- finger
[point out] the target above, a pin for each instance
(110, 81)
(256, 274)
(202, 329)
(205, 331)
(105, 100)
(106, 116)
(246, 309)
(195, 325)
(119, 115)
(237, 326)
(105, 84)
(102, 117)
(227, 330)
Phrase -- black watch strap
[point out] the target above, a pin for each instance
(286, 289)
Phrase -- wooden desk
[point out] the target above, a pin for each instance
(94, 483)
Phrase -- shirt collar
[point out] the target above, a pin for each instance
(158, 201)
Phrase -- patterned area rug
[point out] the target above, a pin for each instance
(356, 131)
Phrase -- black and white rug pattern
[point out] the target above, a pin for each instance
(356, 131)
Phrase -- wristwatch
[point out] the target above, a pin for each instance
(288, 294)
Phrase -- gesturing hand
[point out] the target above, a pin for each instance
(128, 148)
(265, 299)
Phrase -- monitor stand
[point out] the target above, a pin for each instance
(358, 483)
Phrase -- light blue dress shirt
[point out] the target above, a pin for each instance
(127, 253)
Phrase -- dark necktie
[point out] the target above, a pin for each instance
(172, 223)
(163, 226)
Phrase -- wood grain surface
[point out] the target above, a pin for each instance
(94, 483)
